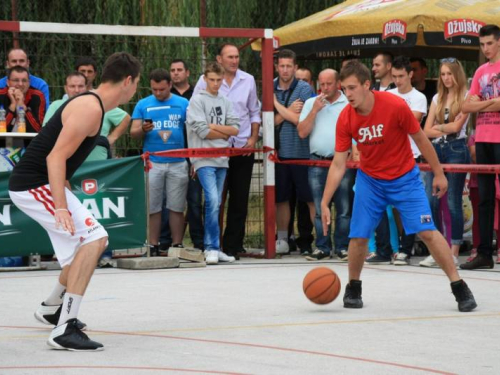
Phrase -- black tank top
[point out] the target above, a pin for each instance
(31, 171)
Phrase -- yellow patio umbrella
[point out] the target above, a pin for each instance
(432, 28)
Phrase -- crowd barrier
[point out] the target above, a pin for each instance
(114, 191)
(218, 152)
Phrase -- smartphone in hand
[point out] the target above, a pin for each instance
(147, 125)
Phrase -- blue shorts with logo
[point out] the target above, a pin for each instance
(406, 194)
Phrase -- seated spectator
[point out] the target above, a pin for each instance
(210, 122)
(20, 95)
(17, 57)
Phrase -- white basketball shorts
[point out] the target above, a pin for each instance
(38, 204)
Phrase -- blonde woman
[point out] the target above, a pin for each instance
(446, 126)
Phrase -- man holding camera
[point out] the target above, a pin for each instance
(160, 119)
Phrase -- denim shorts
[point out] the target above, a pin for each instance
(405, 193)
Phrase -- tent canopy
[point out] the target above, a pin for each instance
(425, 28)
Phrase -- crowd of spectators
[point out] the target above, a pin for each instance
(223, 110)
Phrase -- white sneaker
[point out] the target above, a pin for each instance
(282, 247)
(455, 260)
(401, 259)
(428, 262)
(212, 256)
(223, 257)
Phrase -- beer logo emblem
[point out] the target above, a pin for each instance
(165, 135)
(276, 42)
(462, 27)
(394, 28)
(89, 186)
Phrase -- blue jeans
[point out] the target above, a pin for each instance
(342, 199)
(212, 180)
(453, 152)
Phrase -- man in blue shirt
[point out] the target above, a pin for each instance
(17, 57)
(160, 120)
(289, 97)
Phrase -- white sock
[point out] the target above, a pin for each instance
(57, 295)
(70, 307)
(283, 235)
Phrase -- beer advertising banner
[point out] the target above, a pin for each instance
(361, 27)
(112, 190)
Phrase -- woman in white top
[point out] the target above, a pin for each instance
(446, 126)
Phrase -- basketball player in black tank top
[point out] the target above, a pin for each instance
(39, 187)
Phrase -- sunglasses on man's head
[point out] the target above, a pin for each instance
(450, 60)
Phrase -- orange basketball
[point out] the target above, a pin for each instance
(321, 285)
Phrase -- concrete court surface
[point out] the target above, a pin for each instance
(251, 317)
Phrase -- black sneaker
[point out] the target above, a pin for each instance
(480, 261)
(164, 245)
(376, 260)
(304, 245)
(232, 253)
(318, 255)
(352, 295)
(343, 255)
(164, 253)
(305, 252)
(48, 314)
(105, 263)
(154, 250)
(67, 336)
(463, 296)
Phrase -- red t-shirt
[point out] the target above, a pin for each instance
(382, 136)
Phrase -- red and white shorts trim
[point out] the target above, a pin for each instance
(39, 205)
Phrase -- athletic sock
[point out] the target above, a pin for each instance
(57, 295)
(283, 235)
(70, 307)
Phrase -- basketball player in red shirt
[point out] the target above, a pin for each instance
(380, 124)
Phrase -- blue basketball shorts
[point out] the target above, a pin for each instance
(406, 194)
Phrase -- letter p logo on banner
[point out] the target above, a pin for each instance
(89, 187)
